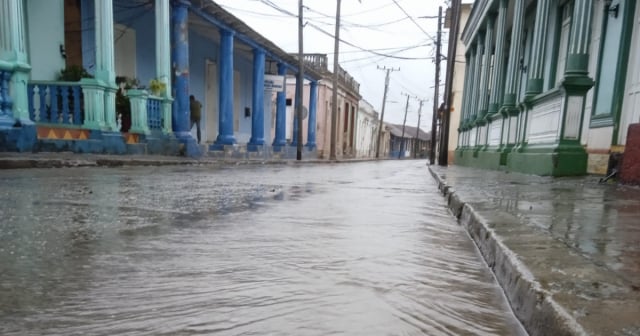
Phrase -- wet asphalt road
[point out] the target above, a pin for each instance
(347, 249)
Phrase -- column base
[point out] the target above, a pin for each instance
(225, 140)
(549, 160)
(257, 142)
(6, 122)
(113, 143)
(188, 145)
(20, 136)
(310, 145)
(279, 143)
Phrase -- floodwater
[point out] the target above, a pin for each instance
(344, 249)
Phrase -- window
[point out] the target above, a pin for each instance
(289, 101)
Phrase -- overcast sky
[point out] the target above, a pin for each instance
(378, 25)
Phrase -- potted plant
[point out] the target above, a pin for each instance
(73, 73)
(157, 87)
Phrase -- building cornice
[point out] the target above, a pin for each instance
(474, 24)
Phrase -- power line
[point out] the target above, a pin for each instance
(413, 20)
(364, 49)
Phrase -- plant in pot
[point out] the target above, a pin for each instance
(73, 73)
(157, 87)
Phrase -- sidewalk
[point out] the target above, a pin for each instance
(566, 251)
(12, 160)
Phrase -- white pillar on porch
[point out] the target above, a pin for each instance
(13, 56)
(163, 58)
(105, 64)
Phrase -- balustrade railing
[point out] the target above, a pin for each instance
(154, 113)
(5, 98)
(56, 102)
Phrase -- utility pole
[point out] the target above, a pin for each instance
(300, 81)
(384, 102)
(443, 159)
(416, 145)
(334, 97)
(432, 154)
(404, 123)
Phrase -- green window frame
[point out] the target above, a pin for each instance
(607, 98)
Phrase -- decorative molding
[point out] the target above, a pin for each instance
(495, 133)
(478, 13)
(513, 126)
(573, 111)
(544, 123)
(473, 137)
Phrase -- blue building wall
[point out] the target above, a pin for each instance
(141, 18)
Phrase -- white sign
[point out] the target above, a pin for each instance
(273, 83)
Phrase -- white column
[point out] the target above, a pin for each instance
(13, 55)
(105, 64)
(163, 58)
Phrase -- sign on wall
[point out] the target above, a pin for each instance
(273, 83)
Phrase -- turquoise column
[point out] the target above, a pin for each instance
(163, 59)
(105, 61)
(483, 100)
(313, 103)
(257, 115)
(513, 71)
(471, 90)
(578, 54)
(14, 67)
(475, 101)
(225, 131)
(180, 33)
(497, 90)
(281, 109)
(298, 95)
(576, 77)
(536, 75)
(465, 98)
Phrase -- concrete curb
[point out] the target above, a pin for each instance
(26, 162)
(535, 307)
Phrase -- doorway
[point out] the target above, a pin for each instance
(211, 118)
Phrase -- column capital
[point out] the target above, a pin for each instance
(259, 51)
(577, 69)
(227, 32)
(282, 69)
(180, 3)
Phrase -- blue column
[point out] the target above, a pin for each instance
(180, 14)
(281, 110)
(257, 115)
(313, 102)
(298, 97)
(225, 111)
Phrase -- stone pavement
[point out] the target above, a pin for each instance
(566, 251)
(11, 160)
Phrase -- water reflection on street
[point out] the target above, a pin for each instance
(348, 249)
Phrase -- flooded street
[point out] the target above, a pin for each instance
(344, 249)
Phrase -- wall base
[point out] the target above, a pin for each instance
(18, 138)
(551, 160)
(489, 159)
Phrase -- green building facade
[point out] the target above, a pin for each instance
(551, 86)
